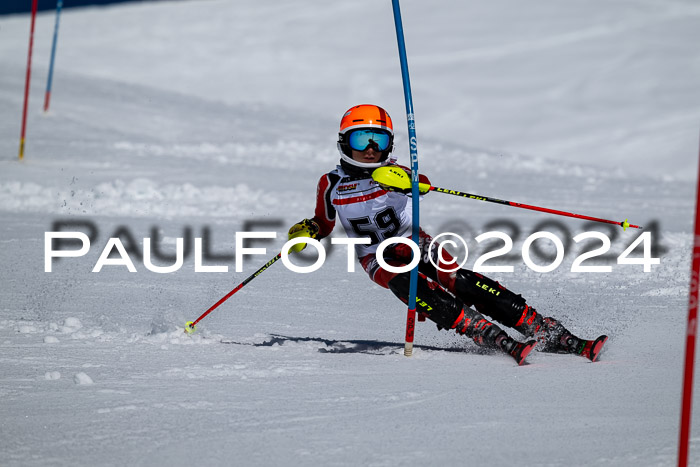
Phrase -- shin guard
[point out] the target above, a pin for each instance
(493, 300)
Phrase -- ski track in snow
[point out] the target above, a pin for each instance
(308, 369)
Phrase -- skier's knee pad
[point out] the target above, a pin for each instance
(431, 299)
(489, 297)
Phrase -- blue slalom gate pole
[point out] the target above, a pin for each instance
(413, 148)
(47, 97)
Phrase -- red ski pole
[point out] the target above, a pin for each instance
(396, 179)
(624, 224)
(191, 325)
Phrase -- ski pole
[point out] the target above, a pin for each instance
(190, 326)
(624, 224)
(393, 178)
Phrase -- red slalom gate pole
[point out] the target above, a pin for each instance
(691, 332)
(26, 84)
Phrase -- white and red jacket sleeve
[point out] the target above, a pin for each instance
(325, 213)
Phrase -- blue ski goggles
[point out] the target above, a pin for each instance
(361, 140)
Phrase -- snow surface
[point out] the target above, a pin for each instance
(173, 119)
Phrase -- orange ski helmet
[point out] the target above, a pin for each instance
(365, 117)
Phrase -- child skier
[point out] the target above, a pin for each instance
(378, 212)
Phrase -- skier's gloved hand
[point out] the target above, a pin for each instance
(423, 188)
(304, 228)
(405, 191)
(392, 178)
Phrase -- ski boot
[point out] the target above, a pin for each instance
(558, 339)
(591, 349)
(485, 333)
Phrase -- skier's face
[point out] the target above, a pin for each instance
(369, 155)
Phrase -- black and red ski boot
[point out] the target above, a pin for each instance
(585, 348)
(558, 339)
(487, 334)
(518, 350)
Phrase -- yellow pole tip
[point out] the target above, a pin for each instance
(190, 327)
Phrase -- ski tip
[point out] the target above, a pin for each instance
(596, 347)
(523, 350)
(190, 327)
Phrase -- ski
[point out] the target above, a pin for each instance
(591, 349)
(521, 350)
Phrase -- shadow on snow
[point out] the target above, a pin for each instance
(350, 346)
